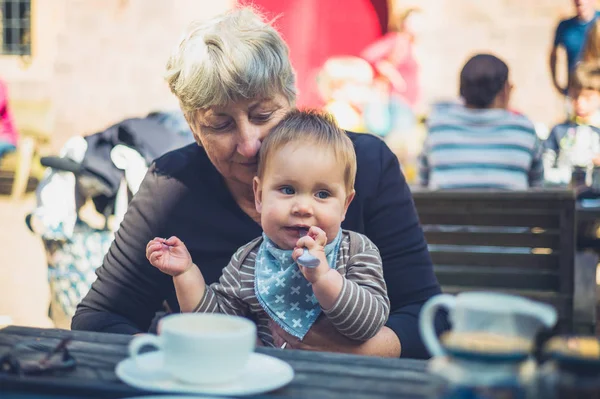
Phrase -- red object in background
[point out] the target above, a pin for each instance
(8, 130)
(318, 29)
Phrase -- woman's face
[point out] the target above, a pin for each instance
(232, 134)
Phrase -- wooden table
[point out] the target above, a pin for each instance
(317, 375)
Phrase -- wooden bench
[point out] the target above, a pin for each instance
(521, 243)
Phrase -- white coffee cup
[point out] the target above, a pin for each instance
(200, 348)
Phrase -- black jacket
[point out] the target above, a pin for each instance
(184, 195)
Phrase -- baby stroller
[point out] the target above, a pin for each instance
(105, 169)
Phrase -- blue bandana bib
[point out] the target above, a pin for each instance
(282, 290)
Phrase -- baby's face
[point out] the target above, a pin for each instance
(303, 186)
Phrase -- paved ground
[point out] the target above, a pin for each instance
(24, 293)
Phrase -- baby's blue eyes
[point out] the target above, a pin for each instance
(287, 190)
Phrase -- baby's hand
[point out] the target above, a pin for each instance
(314, 242)
(170, 256)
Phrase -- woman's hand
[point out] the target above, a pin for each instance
(170, 256)
(323, 337)
(314, 242)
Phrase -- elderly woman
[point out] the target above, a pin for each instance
(234, 81)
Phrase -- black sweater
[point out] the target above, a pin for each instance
(184, 195)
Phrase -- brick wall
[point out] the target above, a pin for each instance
(111, 57)
(102, 60)
(518, 31)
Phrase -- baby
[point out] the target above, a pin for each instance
(304, 185)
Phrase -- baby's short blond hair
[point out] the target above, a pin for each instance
(310, 127)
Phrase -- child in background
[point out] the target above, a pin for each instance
(305, 183)
(393, 59)
(576, 143)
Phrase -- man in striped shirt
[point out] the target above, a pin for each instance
(304, 185)
(481, 144)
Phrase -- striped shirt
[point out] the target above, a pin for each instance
(480, 148)
(361, 309)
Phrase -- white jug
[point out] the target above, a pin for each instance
(485, 312)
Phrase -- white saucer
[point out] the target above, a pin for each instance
(262, 374)
(176, 397)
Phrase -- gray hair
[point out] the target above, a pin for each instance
(234, 56)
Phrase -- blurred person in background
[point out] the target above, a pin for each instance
(571, 36)
(481, 144)
(8, 132)
(234, 82)
(396, 76)
(576, 142)
(344, 84)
